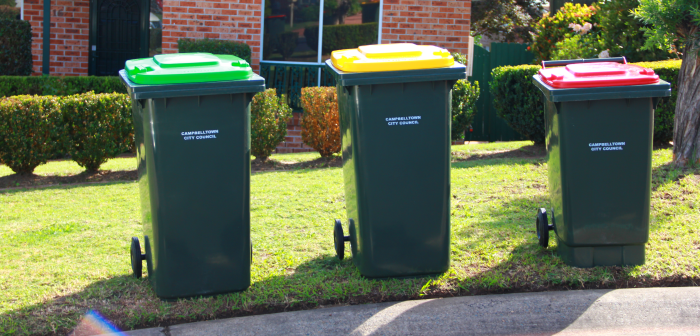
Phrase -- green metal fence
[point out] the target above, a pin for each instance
(289, 78)
(487, 126)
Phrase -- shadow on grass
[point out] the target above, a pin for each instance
(525, 152)
(16, 181)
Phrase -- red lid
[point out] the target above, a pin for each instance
(597, 74)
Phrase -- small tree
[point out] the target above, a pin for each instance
(268, 123)
(675, 23)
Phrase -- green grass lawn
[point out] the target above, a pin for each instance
(64, 250)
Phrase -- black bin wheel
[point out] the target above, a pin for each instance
(338, 239)
(542, 227)
(136, 258)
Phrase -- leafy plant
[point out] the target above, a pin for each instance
(464, 97)
(31, 131)
(219, 47)
(99, 127)
(579, 44)
(16, 51)
(552, 29)
(320, 126)
(268, 123)
(59, 86)
(518, 101)
(511, 20)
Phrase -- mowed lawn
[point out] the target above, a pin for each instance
(65, 250)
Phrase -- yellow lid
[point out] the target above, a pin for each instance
(391, 57)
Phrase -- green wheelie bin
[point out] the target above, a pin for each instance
(191, 115)
(395, 113)
(599, 124)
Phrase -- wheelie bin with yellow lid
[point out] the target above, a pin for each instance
(599, 123)
(191, 115)
(395, 111)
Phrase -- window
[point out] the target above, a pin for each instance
(291, 28)
(155, 28)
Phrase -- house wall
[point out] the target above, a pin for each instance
(236, 20)
(69, 36)
(442, 23)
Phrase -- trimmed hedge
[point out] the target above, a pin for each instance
(58, 86)
(98, 126)
(518, 101)
(219, 47)
(320, 123)
(90, 127)
(16, 50)
(31, 131)
(268, 122)
(336, 37)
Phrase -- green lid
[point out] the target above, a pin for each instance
(187, 68)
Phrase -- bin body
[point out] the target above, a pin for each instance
(599, 146)
(395, 129)
(193, 149)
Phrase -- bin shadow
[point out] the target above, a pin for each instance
(535, 151)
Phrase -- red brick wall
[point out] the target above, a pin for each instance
(69, 36)
(443, 23)
(236, 20)
(292, 143)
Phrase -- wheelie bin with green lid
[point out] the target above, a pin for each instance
(395, 111)
(599, 123)
(191, 115)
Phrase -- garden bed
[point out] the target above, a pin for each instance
(65, 248)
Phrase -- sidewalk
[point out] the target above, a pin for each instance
(651, 311)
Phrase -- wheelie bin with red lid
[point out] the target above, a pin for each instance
(599, 123)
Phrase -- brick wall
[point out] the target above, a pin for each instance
(292, 143)
(442, 23)
(236, 20)
(69, 36)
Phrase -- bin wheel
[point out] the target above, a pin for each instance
(542, 227)
(137, 258)
(338, 239)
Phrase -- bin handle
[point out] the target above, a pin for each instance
(622, 60)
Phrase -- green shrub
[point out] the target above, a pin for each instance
(98, 127)
(622, 34)
(336, 37)
(576, 45)
(320, 124)
(552, 29)
(464, 97)
(666, 110)
(31, 131)
(16, 50)
(219, 47)
(58, 86)
(518, 101)
(268, 122)
(287, 44)
(9, 12)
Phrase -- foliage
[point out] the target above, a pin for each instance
(464, 97)
(674, 23)
(287, 44)
(342, 37)
(518, 101)
(9, 3)
(268, 122)
(31, 131)
(666, 110)
(58, 86)
(320, 125)
(552, 29)
(99, 127)
(622, 34)
(219, 47)
(9, 12)
(512, 20)
(16, 51)
(580, 44)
